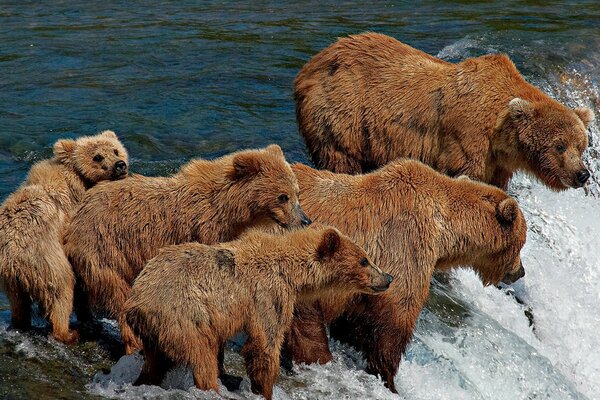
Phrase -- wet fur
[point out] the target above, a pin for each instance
(191, 298)
(369, 99)
(121, 225)
(412, 221)
(33, 265)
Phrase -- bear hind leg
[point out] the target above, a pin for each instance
(156, 365)
(20, 306)
(205, 364)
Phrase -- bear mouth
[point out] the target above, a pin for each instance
(379, 289)
(119, 175)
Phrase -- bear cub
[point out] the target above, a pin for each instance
(122, 225)
(191, 298)
(33, 265)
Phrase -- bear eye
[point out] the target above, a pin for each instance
(98, 158)
(364, 262)
(283, 198)
(560, 148)
(116, 152)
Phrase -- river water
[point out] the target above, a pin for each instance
(200, 79)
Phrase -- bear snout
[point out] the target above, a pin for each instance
(512, 277)
(383, 283)
(581, 177)
(304, 220)
(120, 168)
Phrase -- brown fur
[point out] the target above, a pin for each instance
(369, 99)
(121, 225)
(33, 265)
(412, 221)
(191, 298)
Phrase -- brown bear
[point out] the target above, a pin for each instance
(191, 298)
(412, 221)
(121, 225)
(33, 265)
(369, 99)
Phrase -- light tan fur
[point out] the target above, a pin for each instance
(412, 221)
(33, 265)
(121, 225)
(369, 99)
(191, 298)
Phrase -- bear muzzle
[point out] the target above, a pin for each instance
(512, 277)
(120, 169)
(581, 177)
(383, 283)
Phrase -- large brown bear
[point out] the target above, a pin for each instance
(368, 99)
(191, 298)
(121, 225)
(412, 221)
(33, 265)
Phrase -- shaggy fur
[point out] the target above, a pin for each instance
(412, 221)
(33, 265)
(191, 298)
(369, 99)
(121, 225)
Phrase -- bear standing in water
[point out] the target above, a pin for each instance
(412, 221)
(33, 265)
(120, 226)
(191, 298)
(369, 99)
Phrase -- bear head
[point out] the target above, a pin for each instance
(266, 177)
(350, 264)
(94, 158)
(501, 233)
(552, 138)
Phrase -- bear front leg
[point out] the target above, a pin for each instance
(204, 360)
(262, 364)
(20, 306)
(60, 306)
(307, 341)
(382, 335)
(131, 342)
(155, 367)
(59, 313)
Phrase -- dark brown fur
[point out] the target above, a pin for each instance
(412, 221)
(385, 100)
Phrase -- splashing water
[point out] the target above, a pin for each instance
(471, 342)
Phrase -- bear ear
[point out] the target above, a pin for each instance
(585, 115)
(463, 178)
(245, 165)
(109, 134)
(330, 243)
(519, 108)
(64, 149)
(275, 149)
(507, 211)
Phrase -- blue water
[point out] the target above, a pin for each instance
(199, 79)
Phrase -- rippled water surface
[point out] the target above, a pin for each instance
(200, 79)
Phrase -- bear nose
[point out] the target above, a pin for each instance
(306, 221)
(582, 176)
(120, 166)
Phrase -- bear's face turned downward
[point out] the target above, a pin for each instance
(500, 259)
(353, 268)
(271, 184)
(553, 138)
(95, 158)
